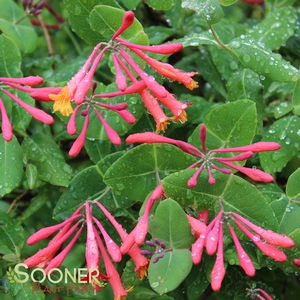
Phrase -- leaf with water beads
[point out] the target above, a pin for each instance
(286, 132)
(211, 9)
(255, 56)
(276, 28)
(292, 187)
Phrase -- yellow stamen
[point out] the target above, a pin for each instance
(62, 102)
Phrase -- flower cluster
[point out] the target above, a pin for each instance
(207, 159)
(212, 240)
(23, 84)
(159, 249)
(48, 258)
(126, 70)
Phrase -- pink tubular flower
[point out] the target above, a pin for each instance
(126, 22)
(244, 259)
(168, 70)
(38, 114)
(211, 242)
(271, 237)
(29, 80)
(197, 227)
(79, 142)
(206, 158)
(6, 125)
(296, 262)
(141, 263)
(111, 273)
(267, 249)
(218, 271)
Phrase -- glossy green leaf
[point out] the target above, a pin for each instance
(152, 161)
(261, 60)
(97, 149)
(15, 26)
(227, 2)
(88, 184)
(78, 16)
(293, 187)
(197, 39)
(211, 9)
(286, 132)
(131, 4)
(228, 125)
(209, 71)
(175, 16)
(280, 3)
(106, 20)
(37, 202)
(44, 153)
(170, 271)
(10, 58)
(276, 28)
(245, 84)
(160, 5)
(11, 234)
(158, 34)
(282, 109)
(236, 193)
(165, 225)
(296, 99)
(24, 291)
(31, 175)
(11, 165)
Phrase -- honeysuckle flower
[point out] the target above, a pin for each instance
(197, 227)
(112, 274)
(29, 80)
(45, 255)
(211, 242)
(206, 158)
(6, 125)
(62, 102)
(141, 263)
(296, 262)
(244, 259)
(218, 271)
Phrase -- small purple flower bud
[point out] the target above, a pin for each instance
(163, 245)
(157, 241)
(146, 252)
(94, 86)
(151, 244)
(157, 258)
(84, 113)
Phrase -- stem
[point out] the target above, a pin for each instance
(17, 22)
(16, 200)
(220, 42)
(47, 36)
(73, 39)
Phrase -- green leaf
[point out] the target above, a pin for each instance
(276, 28)
(227, 2)
(292, 187)
(131, 4)
(31, 175)
(209, 71)
(11, 234)
(170, 271)
(175, 15)
(97, 149)
(10, 58)
(106, 20)
(228, 125)
(286, 132)
(165, 225)
(280, 3)
(236, 194)
(197, 39)
(296, 99)
(158, 34)
(22, 33)
(152, 162)
(88, 184)
(44, 153)
(37, 202)
(282, 109)
(11, 165)
(160, 5)
(245, 84)
(211, 9)
(261, 60)
(24, 291)
(78, 16)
